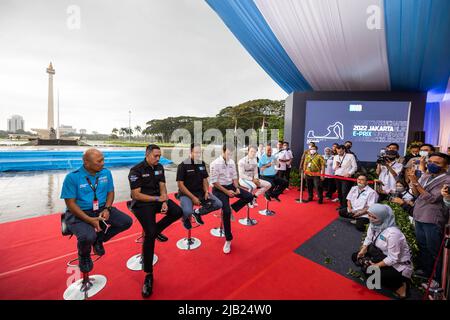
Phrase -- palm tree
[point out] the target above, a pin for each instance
(115, 131)
(138, 129)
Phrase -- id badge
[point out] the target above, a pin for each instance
(95, 205)
(309, 165)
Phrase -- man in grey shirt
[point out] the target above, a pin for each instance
(430, 215)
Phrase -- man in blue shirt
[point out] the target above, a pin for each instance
(89, 195)
(267, 172)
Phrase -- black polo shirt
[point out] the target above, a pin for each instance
(192, 174)
(147, 178)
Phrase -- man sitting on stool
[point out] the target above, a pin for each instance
(248, 175)
(192, 179)
(268, 173)
(225, 182)
(90, 216)
(359, 199)
(149, 194)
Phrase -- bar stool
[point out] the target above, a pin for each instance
(135, 263)
(189, 243)
(267, 211)
(247, 221)
(89, 285)
(219, 232)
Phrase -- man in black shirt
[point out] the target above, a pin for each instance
(149, 194)
(192, 179)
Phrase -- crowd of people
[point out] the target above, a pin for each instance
(418, 183)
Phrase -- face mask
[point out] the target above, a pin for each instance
(423, 153)
(361, 185)
(309, 147)
(313, 151)
(400, 189)
(433, 168)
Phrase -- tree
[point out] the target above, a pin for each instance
(138, 129)
(114, 131)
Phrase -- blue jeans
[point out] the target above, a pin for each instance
(429, 239)
(188, 207)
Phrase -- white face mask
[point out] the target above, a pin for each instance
(361, 185)
(423, 153)
(313, 151)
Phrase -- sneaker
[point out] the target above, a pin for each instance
(187, 224)
(198, 218)
(328, 198)
(433, 284)
(98, 248)
(85, 263)
(353, 221)
(335, 200)
(250, 205)
(227, 247)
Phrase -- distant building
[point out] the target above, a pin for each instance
(83, 131)
(15, 123)
(65, 130)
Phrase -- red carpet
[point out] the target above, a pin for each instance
(262, 264)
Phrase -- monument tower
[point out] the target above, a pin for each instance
(50, 112)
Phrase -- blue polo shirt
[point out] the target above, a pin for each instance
(268, 172)
(76, 186)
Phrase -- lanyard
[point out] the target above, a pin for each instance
(94, 188)
(360, 193)
(431, 179)
(341, 160)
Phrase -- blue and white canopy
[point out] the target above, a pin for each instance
(348, 45)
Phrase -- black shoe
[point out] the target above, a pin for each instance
(162, 238)
(85, 263)
(147, 288)
(187, 224)
(276, 198)
(98, 248)
(267, 196)
(198, 218)
(320, 201)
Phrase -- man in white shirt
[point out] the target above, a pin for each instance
(224, 179)
(359, 199)
(388, 171)
(329, 183)
(249, 177)
(288, 159)
(344, 165)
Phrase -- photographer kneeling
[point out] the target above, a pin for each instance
(388, 170)
(385, 247)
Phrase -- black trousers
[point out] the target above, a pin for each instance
(85, 233)
(343, 188)
(329, 185)
(288, 176)
(244, 198)
(146, 216)
(314, 182)
(390, 278)
(360, 222)
(278, 185)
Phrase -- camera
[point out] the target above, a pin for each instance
(387, 156)
(382, 160)
(364, 262)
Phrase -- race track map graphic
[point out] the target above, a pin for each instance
(370, 125)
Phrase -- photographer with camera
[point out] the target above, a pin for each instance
(419, 163)
(403, 197)
(385, 246)
(388, 170)
(430, 216)
(359, 200)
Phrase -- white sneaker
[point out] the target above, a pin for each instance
(433, 284)
(353, 221)
(227, 247)
(335, 200)
(250, 205)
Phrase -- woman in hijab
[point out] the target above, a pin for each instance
(386, 247)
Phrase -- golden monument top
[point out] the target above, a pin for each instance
(50, 69)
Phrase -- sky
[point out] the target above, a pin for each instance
(157, 58)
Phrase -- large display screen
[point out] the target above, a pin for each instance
(370, 125)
